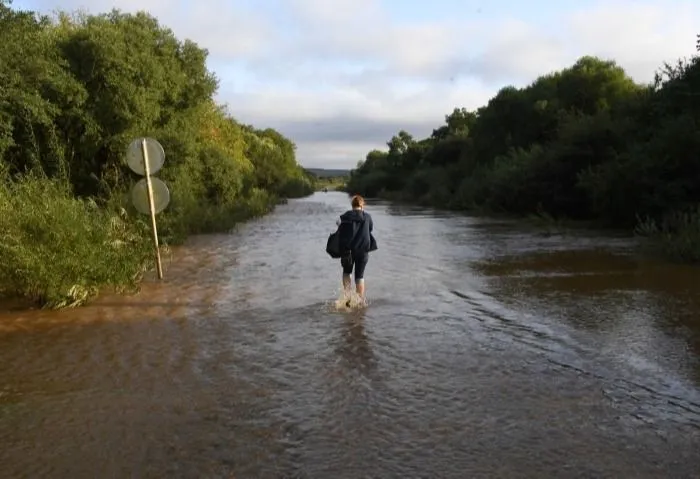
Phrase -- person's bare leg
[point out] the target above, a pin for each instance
(360, 288)
(347, 289)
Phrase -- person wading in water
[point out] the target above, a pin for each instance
(356, 242)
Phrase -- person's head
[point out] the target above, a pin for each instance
(357, 202)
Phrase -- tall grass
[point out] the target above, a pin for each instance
(59, 251)
(676, 236)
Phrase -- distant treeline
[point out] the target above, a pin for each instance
(329, 179)
(583, 143)
(75, 89)
(328, 173)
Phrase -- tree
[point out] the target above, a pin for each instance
(582, 142)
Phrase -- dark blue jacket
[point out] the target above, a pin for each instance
(355, 231)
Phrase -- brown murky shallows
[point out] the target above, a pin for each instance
(487, 350)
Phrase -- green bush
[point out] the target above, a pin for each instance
(58, 251)
(297, 188)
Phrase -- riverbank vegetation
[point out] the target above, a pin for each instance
(583, 143)
(75, 89)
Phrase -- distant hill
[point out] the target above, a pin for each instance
(327, 173)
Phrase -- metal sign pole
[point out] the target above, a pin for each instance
(151, 205)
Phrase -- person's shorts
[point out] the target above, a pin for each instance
(356, 260)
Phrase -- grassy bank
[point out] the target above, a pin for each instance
(58, 250)
(76, 90)
(61, 251)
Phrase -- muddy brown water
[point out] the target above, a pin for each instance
(489, 349)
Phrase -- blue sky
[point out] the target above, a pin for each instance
(340, 77)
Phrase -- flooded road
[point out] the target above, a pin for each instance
(488, 350)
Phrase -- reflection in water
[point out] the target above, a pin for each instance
(487, 350)
(354, 348)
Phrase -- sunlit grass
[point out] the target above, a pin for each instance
(59, 251)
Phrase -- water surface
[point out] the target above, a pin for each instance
(489, 349)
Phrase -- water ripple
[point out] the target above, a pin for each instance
(487, 350)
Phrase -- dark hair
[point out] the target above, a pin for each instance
(357, 201)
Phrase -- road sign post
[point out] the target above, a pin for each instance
(151, 207)
(145, 156)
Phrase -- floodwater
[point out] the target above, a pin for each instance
(488, 349)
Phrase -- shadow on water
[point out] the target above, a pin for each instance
(487, 350)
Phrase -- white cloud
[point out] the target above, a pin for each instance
(516, 51)
(336, 15)
(229, 29)
(333, 154)
(640, 35)
(304, 105)
(328, 72)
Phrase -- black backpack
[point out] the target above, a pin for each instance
(333, 245)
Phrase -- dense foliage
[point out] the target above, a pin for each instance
(74, 91)
(584, 143)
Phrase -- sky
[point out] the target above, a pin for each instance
(341, 77)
